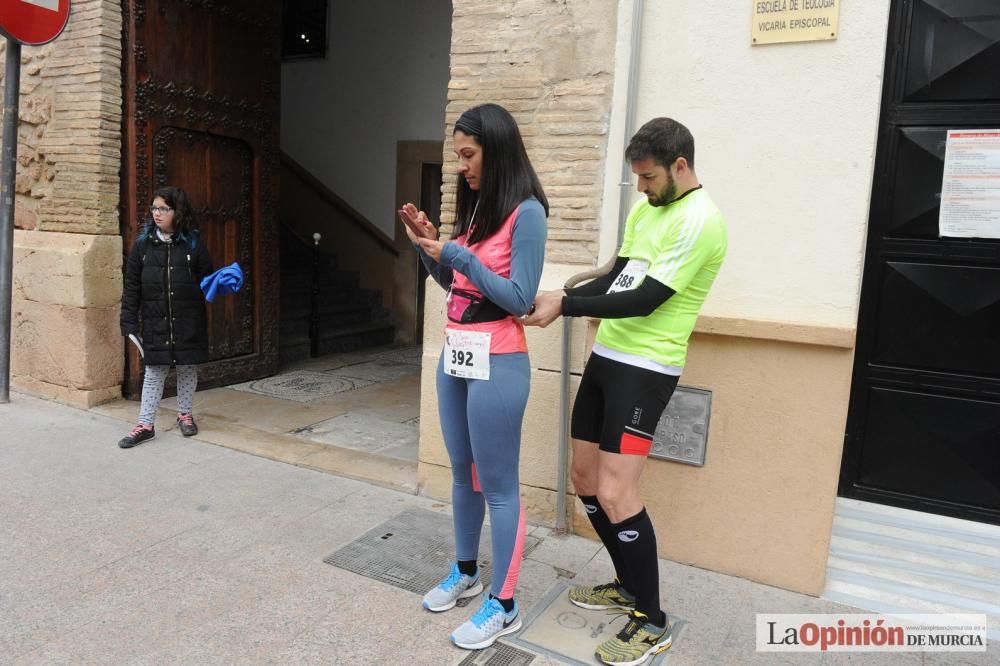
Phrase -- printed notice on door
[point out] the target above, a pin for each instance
(970, 191)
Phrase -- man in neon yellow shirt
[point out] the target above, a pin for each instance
(672, 250)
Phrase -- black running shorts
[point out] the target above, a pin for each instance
(618, 405)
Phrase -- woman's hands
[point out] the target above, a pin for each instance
(421, 231)
(416, 224)
(546, 309)
(432, 248)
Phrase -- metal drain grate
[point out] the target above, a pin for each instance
(412, 550)
(498, 655)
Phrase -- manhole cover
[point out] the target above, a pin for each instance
(302, 385)
(413, 551)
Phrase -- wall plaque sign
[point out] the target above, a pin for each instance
(682, 433)
(776, 21)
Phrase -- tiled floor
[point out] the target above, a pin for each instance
(314, 412)
(367, 400)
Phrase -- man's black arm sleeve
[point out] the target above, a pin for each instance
(599, 285)
(638, 302)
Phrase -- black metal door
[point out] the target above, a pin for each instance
(923, 429)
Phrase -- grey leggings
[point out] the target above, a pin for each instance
(481, 422)
(152, 390)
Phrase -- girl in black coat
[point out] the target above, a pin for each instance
(162, 283)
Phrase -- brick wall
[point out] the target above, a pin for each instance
(69, 150)
(550, 63)
(67, 247)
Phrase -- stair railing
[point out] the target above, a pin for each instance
(314, 300)
(562, 479)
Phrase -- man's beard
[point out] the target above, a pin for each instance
(666, 195)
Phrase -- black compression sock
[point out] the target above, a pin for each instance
(637, 542)
(467, 567)
(602, 525)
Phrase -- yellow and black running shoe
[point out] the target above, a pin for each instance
(602, 597)
(634, 644)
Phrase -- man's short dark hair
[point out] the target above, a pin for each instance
(663, 139)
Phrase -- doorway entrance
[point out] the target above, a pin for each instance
(293, 165)
(923, 428)
(200, 111)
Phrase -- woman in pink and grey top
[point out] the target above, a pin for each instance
(491, 269)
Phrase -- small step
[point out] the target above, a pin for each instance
(891, 560)
(932, 556)
(351, 317)
(965, 535)
(294, 351)
(331, 303)
(333, 321)
(295, 343)
(873, 596)
(858, 597)
(357, 336)
(289, 329)
(898, 575)
(301, 281)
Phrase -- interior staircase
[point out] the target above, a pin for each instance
(890, 560)
(350, 317)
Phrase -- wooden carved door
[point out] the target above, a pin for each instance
(201, 111)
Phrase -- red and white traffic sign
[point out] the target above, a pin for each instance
(33, 21)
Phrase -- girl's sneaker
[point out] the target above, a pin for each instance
(187, 424)
(138, 435)
(456, 586)
(488, 624)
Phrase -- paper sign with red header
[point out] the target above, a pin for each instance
(33, 21)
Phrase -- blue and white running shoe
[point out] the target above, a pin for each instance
(488, 624)
(456, 586)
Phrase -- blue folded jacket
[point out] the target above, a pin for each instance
(226, 280)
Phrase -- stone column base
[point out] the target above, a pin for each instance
(65, 339)
(81, 398)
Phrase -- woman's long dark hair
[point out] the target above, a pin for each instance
(185, 224)
(507, 176)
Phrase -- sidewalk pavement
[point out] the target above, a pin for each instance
(182, 552)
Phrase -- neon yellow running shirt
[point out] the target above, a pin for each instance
(684, 244)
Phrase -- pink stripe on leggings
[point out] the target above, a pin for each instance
(475, 480)
(514, 570)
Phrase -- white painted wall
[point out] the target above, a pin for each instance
(385, 79)
(784, 142)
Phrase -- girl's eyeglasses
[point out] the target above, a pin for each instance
(159, 209)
